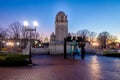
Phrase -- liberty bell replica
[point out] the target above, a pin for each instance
(74, 49)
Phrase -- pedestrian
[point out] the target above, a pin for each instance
(82, 50)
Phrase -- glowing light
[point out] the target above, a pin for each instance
(10, 44)
(40, 45)
(35, 23)
(26, 23)
(118, 40)
(36, 42)
(18, 43)
(3, 41)
(7, 44)
(95, 44)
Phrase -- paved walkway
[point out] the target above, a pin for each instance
(56, 68)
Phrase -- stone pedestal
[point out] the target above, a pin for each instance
(26, 51)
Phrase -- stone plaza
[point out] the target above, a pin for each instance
(55, 67)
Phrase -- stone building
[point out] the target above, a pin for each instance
(56, 45)
(52, 37)
(61, 27)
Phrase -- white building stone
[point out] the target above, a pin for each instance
(61, 26)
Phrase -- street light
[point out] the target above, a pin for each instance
(17, 43)
(10, 44)
(28, 28)
(26, 23)
(35, 23)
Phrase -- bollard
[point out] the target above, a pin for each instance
(65, 52)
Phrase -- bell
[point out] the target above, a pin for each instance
(74, 50)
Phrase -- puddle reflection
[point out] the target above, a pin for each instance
(95, 68)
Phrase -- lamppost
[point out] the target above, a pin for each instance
(30, 29)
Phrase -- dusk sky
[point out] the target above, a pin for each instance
(94, 15)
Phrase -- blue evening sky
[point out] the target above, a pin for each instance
(94, 15)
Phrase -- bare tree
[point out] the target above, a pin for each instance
(15, 33)
(33, 35)
(24, 33)
(3, 33)
(3, 36)
(15, 30)
(103, 39)
(113, 39)
(37, 35)
(92, 36)
(24, 37)
(84, 32)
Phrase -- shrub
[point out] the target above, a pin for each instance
(111, 53)
(13, 60)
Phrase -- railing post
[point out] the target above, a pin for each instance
(65, 51)
(82, 50)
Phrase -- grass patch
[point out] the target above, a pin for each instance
(13, 60)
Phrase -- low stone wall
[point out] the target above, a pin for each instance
(94, 51)
(40, 50)
(90, 50)
(52, 49)
(58, 48)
